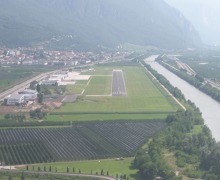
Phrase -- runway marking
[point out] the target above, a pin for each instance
(118, 83)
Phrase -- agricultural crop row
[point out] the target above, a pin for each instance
(34, 152)
(89, 140)
(132, 134)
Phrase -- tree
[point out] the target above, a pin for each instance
(22, 176)
(5, 52)
(102, 172)
(33, 85)
(41, 55)
(37, 114)
(38, 88)
(9, 177)
(7, 116)
(40, 98)
(149, 170)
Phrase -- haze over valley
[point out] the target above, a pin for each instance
(93, 24)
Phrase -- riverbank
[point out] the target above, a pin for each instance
(208, 106)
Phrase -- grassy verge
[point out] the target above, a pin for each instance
(77, 88)
(99, 85)
(94, 117)
(113, 166)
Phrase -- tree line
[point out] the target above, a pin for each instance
(197, 81)
(197, 149)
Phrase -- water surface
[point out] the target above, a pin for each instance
(209, 107)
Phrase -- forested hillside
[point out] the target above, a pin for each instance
(94, 23)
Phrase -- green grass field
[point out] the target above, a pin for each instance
(99, 85)
(14, 74)
(103, 117)
(77, 88)
(113, 166)
(142, 95)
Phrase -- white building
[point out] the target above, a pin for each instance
(49, 82)
(14, 99)
(29, 95)
(58, 77)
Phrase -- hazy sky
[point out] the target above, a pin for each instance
(204, 15)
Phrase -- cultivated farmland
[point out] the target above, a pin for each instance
(89, 140)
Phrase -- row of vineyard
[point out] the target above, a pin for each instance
(24, 154)
(88, 140)
(127, 136)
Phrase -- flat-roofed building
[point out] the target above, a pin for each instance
(49, 82)
(14, 99)
(29, 94)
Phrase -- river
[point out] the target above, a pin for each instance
(208, 106)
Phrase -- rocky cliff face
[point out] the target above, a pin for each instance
(95, 23)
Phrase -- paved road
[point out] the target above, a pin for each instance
(57, 173)
(118, 84)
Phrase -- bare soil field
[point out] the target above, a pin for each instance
(7, 109)
(74, 76)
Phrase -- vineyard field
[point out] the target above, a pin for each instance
(82, 141)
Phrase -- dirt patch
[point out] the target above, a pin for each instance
(7, 167)
(70, 98)
(74, 76)
(53, 105)
(7, 109)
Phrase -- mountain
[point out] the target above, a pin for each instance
(205, 17)
(95, 23)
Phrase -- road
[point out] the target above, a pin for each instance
(59, 173)
(186, 67)
(212, 83)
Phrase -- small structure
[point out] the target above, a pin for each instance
(49, 82)
(59, 76)
(29, 95)
(14, 99)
